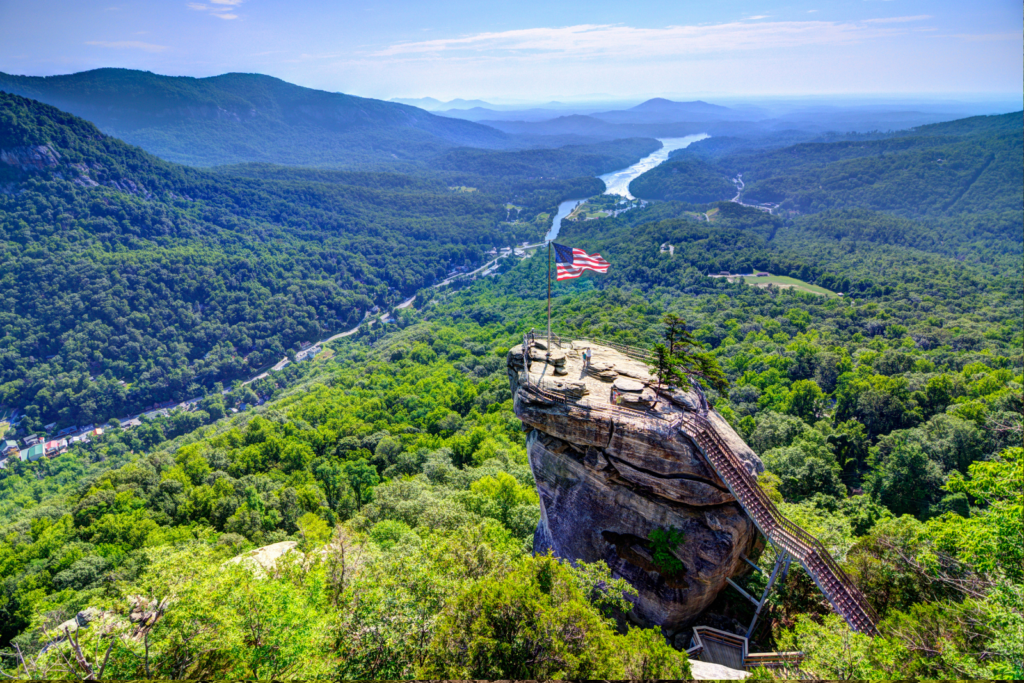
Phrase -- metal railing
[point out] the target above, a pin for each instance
(774, 660)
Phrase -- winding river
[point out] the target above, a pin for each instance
(617, 182)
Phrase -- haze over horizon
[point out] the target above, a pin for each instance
(903, 48)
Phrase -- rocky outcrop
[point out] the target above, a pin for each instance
(264, 559)
(34, 158)
(45, 158)
(608, 474)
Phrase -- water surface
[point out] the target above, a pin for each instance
(617, 182)
(564, 209)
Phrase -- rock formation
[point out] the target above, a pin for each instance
(610, 469)
(34, 158)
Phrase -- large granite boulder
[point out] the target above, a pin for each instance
(608, 474)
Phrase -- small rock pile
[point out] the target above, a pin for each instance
(605, 372)
(632, 394)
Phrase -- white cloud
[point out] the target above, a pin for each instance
(616, 41)
(898, 20)
(222, 9)
(128, 45)
(986, 37)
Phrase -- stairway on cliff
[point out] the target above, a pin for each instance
(786, 536)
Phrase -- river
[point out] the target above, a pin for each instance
(617, 182)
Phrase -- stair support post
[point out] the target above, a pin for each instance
(744, 593)
(781, 562)
(748, 561)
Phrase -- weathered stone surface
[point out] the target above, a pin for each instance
(565, 387)
(681, 487)
(626, 384)
(609, 475)
(592, 514)
(555, 357)
(80, 620)
(264, 558)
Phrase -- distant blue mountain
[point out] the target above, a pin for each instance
(660, 110)
(434, 104)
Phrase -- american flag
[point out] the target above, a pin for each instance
(571, 262)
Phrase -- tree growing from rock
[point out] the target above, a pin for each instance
(681, 357)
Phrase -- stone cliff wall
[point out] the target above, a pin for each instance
(607, 477)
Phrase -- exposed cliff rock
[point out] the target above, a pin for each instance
(46, 159)
(30, 158)
(609, 474)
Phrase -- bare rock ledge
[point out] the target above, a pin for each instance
(607, 476)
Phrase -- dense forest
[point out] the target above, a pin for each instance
(130, 281)
(888, 419)
(684, 180)
(884, 444)
(565, 162)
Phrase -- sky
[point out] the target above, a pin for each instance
(534, 51)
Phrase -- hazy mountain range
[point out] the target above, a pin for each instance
(240, 118)
(236, 118)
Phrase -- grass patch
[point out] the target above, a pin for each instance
(324, 355)
(784, 282)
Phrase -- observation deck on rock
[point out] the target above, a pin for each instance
(661, 444)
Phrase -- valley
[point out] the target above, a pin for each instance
(322, 314)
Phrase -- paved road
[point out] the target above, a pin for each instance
(739, 190)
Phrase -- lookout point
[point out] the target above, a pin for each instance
(655, 483)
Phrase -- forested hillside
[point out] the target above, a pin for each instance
(565, 162)
(236, 118)
(889, 421)
(968, 166)
(128, 280)
(887, 412)
(683, 180)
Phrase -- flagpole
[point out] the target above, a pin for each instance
(549, 296)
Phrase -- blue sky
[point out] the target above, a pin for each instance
(538, 50)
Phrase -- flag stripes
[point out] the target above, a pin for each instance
(571, 263)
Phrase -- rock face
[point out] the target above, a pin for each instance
(608, 474)
(34, 158)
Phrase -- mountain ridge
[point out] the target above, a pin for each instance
(239, 118)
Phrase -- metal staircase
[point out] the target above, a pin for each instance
(786, 536)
